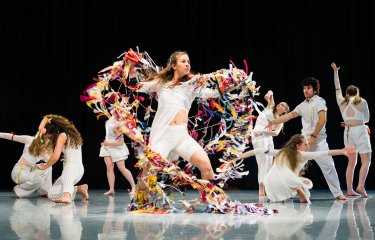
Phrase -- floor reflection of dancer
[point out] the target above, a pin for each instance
(176, 93)
(25, 174)
(67, 140)
(263, 138)
(282, 181)
(113, 227)
(31, 221)
(115, 152)
(69, 224)
(289, 223)
(355, 113)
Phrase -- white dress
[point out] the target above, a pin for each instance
(117, 153)
(280, 182)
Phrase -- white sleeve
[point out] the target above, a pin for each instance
(366, 111)
(17, 138)
(272, 152)
(339, 96)
(207, 93)
(312, 155)
(150, 86)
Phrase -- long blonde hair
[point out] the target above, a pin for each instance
(167, 73)
(58, 124)
(352, 91)
(289, 154)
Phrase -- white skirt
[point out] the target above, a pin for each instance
(281, 183)
(117, 153)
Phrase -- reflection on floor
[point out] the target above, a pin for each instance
(106, 218)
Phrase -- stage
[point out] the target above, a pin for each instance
(106, 218)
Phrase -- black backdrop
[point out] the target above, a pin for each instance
(50, 51)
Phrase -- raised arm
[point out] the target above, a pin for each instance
(270, 100)
(339, 96)
(61, 140)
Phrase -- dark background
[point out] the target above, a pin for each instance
(50, 51)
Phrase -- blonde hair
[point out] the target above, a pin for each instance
(351, 91)
(40, 145)
(289, 154)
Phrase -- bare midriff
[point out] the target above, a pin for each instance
(181, 118)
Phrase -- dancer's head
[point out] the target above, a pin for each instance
(311, 87)
(289, 153)
(352, 91)
(178, 68)
(57, 124)
(281, 108)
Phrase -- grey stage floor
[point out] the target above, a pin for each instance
(106, 218)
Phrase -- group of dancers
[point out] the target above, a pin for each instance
(279, 171)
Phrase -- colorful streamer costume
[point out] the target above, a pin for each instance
(226, 124)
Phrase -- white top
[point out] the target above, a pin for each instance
(262, 120)
(110, 134)
(308, 110)
(72, 156)
(172, 100)
(359, 112)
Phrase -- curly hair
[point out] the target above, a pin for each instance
(313, 82)
(58, 124)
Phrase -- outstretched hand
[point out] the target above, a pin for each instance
(349, 151)
(334, 67)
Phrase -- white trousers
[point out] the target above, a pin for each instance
(29, 180)
(70, 176)
(327, 165)
(264, 161)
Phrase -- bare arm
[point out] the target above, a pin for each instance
(322, 115)
(282, 119)
(270, 100)
(61, 140)
(116, 143)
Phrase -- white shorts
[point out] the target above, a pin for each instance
(357, 136)
(117, 153)
(176, 142)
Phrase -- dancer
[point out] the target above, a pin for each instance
(169, 134)
(66, 140)
(262, 138)
(313, 111)
(355, 113)
(282, 181)
(115, 151)
(25, 174)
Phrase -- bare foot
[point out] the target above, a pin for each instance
(66, 200)
(83, 189)
(262, 191)
(341, 197)
(132, 193)
(363, 192)
(109, 193)
(352, 194)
